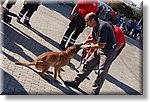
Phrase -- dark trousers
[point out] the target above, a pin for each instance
(77, 25)
(29, 8)
(101, 58)
(6, 11)
(9, 5)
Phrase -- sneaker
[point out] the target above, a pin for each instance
(26, 22)
(62, 47)
(71, 84)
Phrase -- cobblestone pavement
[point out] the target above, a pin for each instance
(49, 23)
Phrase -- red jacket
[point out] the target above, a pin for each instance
(87, 6)
(119, 35)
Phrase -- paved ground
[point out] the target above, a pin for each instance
(49, 23)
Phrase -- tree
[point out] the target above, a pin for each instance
(137, 14)
(129, 12)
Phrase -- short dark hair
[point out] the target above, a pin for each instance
(91, 16)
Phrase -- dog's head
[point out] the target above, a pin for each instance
(73, 49)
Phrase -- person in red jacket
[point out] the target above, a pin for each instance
(77, 24)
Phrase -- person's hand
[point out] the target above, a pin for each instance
(86, 46)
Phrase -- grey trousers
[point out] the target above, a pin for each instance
(101, 58)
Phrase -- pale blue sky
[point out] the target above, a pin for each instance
(137, 2)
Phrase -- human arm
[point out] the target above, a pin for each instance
(89, 41)
(75, 10)
(94, 46)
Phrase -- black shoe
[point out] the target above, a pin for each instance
(26, 22)
(62, 47)
(7, 19)
(71, 84)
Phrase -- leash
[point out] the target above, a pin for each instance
(84, 59)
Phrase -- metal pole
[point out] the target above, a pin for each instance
(140, 20)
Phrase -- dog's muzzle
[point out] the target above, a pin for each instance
(78, 47)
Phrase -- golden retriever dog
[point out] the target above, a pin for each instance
(54, 59)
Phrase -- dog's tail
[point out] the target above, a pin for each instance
(25, 63)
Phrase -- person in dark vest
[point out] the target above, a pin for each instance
(77, 24)
(104, 55)
(30, 6)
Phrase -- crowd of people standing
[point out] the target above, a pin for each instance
(130, 26)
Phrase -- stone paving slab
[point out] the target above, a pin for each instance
(49, 23)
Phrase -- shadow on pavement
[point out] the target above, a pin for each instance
(58, 85)
(121, 85)
(11, 58)
(11, 40)
(50, 79)
(11, 86)
(14, 38)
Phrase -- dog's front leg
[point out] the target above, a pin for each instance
(55, 73)
(58, 67)
(59, 72)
